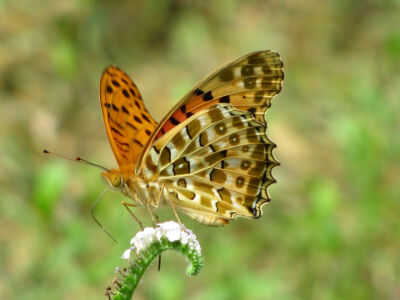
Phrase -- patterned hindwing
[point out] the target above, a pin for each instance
(248, 83)
(215, 166)
(127, 121)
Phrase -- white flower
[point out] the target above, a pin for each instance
(170, 225)
(184, 238)
(173, 235)
(127, 253)
(170, 230)
(143, 238)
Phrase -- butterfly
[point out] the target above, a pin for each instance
(210, 155)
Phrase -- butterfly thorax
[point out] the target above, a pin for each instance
(132, 186)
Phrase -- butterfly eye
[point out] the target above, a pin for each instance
(117, 181)
(113, 180)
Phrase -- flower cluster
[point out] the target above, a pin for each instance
(148, 244)
(171, 231)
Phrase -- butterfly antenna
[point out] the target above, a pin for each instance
(97, 221)
(76, 159)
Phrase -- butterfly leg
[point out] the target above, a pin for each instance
(154, 225)
(159, 256)
(146, 203)
(175, 213)
(157, 218)
(172, 205)
(151, 215)
(127, 204)
(159, 195)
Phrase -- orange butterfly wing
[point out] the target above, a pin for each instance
(127, 121)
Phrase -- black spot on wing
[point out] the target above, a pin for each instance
(138, 142)
(156, 150)
(137, 119)
(198, 92)
(114, 107)
(207, 96)
(225, 99)
(118, 125)
(252, 110)
(125, 92)
(131, 125)
(125, 110)
(174, 121)
(116, 131)
(146, 118)
(188, 132)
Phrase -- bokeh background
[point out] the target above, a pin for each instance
(332, 230)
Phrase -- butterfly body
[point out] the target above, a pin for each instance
(210, 156)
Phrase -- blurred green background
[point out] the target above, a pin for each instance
(332, 230)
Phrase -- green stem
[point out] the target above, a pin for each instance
(142, 260)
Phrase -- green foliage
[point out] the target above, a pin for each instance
(332, 230)
(48, 186)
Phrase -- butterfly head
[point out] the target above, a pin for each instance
(113, 179)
